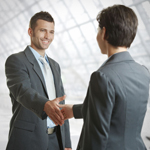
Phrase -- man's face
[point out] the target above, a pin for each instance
(42, 35)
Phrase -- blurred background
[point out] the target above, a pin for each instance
(74, 48)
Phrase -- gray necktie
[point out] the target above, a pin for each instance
(49, 81)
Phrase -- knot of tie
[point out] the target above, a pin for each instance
(45, 63)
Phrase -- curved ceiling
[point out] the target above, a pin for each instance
(74, 46)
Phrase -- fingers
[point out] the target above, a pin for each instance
(53, 111)
(65, 113)
(56, 116)
(59, 120)
(59, 113)
(61, 105)
(56, 119)
(65, 116)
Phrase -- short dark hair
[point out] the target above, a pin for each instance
(121, 25)
(40, 15)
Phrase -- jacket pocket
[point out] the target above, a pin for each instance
(24, 125)
(21, 136)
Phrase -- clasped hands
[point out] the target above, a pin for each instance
(52, 109)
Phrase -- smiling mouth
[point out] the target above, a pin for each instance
(45, 42)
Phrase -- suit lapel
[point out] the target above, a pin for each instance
(36, 66)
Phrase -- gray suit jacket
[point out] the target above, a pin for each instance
(28, 94)
(115, 106)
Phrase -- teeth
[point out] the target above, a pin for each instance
(46, 42)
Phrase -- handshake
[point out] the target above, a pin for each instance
(52, 109)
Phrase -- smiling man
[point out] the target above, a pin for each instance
(34, 82)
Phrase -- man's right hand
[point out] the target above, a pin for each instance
(52, 110)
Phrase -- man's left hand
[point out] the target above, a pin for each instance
(68, 148)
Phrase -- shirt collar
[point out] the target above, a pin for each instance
(37, 55)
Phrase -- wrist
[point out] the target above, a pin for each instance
(45, 106)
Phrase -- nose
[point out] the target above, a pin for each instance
(47, 35)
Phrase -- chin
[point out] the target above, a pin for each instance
(45, 47)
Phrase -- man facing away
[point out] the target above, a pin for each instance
(34, 82)
(114, 107)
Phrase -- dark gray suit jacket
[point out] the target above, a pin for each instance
(28, 126)
(115, 106)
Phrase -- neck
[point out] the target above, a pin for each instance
(40, 51)
(113, 50)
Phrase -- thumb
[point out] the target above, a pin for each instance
(59, 99)
(61, 105)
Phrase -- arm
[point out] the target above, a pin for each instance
(19, 84)
(69, 111)
(97, 111)
(77, 111)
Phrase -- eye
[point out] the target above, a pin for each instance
(52, 32)
(42, 30)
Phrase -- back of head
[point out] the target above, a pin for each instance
(43, 15)
(121, 25)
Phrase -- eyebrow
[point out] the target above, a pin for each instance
(46, 29)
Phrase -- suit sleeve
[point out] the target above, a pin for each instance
(97, 111)
(77, 111)
(18, 82)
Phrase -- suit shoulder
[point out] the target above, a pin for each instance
(15, 57)
(100, 74)
(145, 68)
(102, 79)
(141, 69)
(147, 72)
(107, 70)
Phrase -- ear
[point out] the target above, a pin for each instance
(30, 31)
(104, 33)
